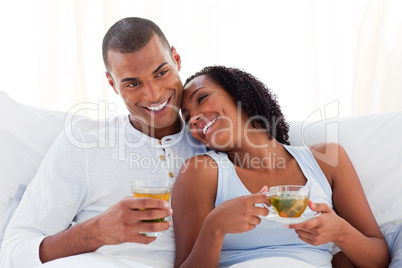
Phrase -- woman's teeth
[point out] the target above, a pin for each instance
(159, 107)
(207, 126)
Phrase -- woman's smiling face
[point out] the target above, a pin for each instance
(212, 114)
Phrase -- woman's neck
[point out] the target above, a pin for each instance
(259, 152)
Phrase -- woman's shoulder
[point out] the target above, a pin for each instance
(328, 152)
(201, 162)
(197, 172)
(331, 158)
(199, 167)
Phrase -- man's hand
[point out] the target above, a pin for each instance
(121, 223)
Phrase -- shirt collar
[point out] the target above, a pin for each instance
(168, 140)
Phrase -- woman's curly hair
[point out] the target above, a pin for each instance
(255, 98)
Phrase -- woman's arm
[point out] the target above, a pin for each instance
(193, 197)
(199, 227)
(353, 227)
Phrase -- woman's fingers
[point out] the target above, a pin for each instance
(319, 207)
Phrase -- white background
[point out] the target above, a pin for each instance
(311, 53)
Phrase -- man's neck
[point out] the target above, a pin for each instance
(159, 133)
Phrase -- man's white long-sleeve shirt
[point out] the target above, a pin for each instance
(88, 169)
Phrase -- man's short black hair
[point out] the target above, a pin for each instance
(129, 35)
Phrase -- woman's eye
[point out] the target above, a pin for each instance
(201, 98)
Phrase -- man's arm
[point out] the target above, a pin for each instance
(120, 223)
(40, 228)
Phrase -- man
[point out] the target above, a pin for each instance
(78, 202)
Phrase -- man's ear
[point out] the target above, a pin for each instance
(111, 82)
(177, 58)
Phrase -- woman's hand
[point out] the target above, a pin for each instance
(238, 215)
(323, 229)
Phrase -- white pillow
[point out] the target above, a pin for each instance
(374, 145)
(26, 134)
(282, 262)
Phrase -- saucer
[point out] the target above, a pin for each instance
(307, 215)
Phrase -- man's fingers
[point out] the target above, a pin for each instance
(151, 227)
(151, 214)
(134, 233)
(142, 239)
(263, 189)
(134, 210)
(146, 202)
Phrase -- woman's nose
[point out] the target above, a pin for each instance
(195, 119)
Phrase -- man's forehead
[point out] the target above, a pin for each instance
(137, 64)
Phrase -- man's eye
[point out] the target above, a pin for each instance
(133, 84)
(162, 73)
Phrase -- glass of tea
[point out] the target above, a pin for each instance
(288, 201)
(154, 188)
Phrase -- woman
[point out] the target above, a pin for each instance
(215, 213)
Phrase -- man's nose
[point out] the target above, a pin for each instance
(153, 92)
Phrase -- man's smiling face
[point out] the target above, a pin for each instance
(148, 82)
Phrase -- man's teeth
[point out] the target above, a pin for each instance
(159, 107)
(207, 126)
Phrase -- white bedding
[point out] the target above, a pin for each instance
(98, 260)
(372, 142)
(282, 262)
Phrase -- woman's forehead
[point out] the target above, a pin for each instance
(196, 82)
(202, 81)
